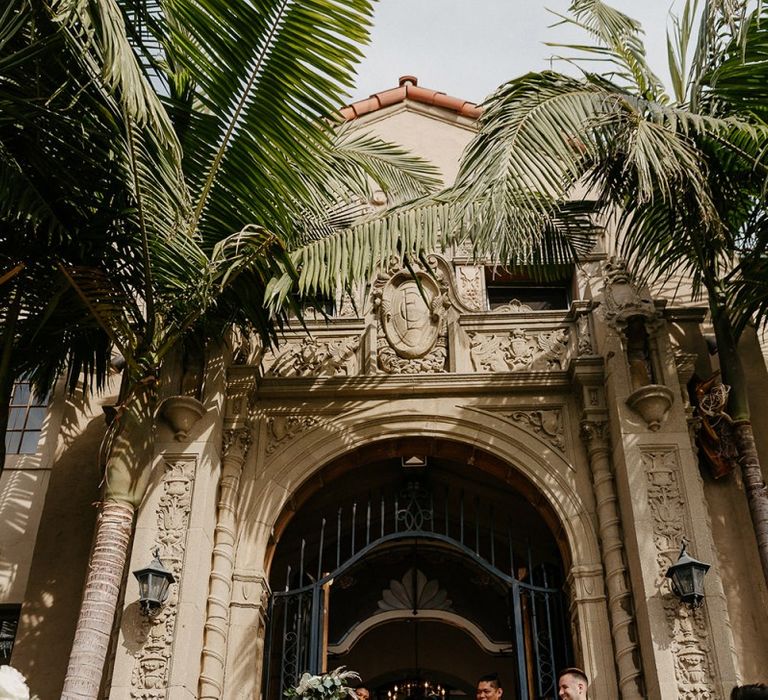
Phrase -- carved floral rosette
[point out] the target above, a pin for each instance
(149, 679)
(690, 643)
(411, 309)
(314, 356)
(518, 350)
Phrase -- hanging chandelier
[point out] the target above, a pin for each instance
(416, 688)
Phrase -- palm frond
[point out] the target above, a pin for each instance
(619, 42)
(99, 27)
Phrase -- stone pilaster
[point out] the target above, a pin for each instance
(144, 661)
(620, 605)
(591, 629)
(248, 614)
(235, 448)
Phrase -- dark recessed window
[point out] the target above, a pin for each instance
(9, 624)
(523, 294)
(25, 420)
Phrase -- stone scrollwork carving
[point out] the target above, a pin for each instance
(283, 428)
(314, 357)
(149, 679)
(518, 350)
(546, 423)
(515, 306)
(690, 644)
(622, 298)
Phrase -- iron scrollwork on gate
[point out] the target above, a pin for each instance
(294, 642)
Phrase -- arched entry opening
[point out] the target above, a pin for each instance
(422, 565)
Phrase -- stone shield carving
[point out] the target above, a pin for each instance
(411, 314)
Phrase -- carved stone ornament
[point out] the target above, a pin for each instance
(518, 350)
(470, 283)
(181, 413)
(621, 297)
(584, 335)
(411, 312)
(690, 643)
(314, 356)
(548, 424)
(515, 306)
(414, 592)
(149, 679)
(412, 306)
(652, 403)
(281, 429)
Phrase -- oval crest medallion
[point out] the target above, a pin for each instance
(410, 323)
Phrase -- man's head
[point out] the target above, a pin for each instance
(489, 687)
(362, 693)
(756, 691)
(572, 684)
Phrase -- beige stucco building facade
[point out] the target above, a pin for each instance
(468, 474)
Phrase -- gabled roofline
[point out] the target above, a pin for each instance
(408, 89)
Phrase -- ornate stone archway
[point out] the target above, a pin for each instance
(292, 449)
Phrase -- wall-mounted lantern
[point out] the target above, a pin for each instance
(687, 575)
(154, 584)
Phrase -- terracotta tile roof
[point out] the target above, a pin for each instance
(408, 89)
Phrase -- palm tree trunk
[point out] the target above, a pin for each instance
(738, 408)
(754, 485)
(102, 590)
(127, 477)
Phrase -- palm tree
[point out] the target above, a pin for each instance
(684, 175)
(213, 154)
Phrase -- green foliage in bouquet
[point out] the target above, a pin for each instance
(327, 686)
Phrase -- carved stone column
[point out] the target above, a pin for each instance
(235, 448)
(248, 621)
(589, 621)
(621, 609)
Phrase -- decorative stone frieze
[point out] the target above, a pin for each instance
(149, 679)
(689, 632)
(518, 350)
(546, 423)
(314, 356)
(281, 429)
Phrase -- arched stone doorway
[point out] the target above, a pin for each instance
(419, 561)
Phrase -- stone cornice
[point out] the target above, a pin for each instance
(409, 386)
(686, 313)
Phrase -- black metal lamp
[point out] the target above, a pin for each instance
(687, 575)
(154, 583)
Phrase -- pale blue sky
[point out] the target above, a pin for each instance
(466, 48)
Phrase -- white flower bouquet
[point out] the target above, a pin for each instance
(13, 685)
(327, 686)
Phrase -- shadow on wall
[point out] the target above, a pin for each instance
(62, 549)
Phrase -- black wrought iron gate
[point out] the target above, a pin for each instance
(537, 606)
